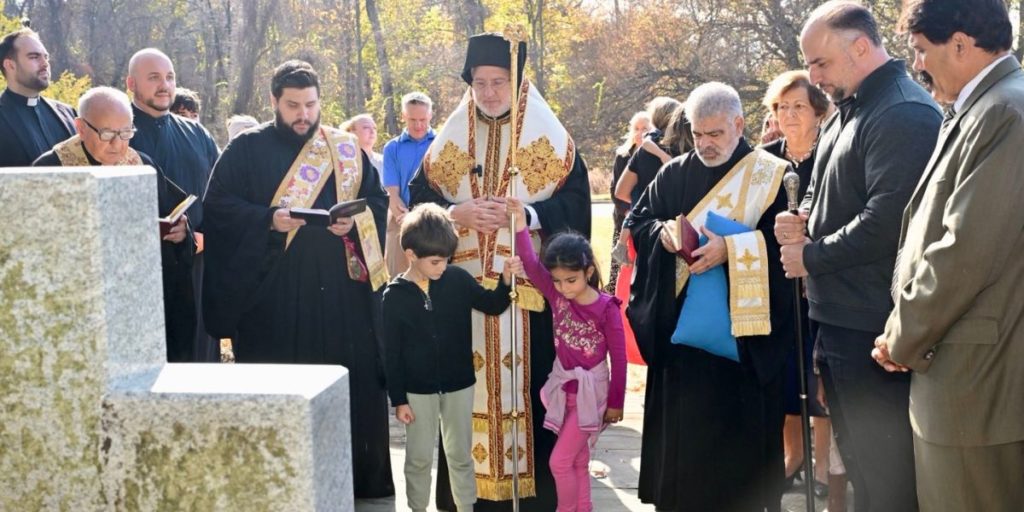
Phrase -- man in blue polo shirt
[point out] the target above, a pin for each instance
(402, 157)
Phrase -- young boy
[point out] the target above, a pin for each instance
(429, 346)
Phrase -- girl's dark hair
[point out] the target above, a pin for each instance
(678, 137)
(571, 250)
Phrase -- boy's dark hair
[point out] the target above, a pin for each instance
(571, 250)
(7, 50)
(296, 74)
(428, 231)
(186, 99)
(985, 20)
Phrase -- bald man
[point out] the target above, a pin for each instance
(870, 156)
(184, 149)
(104, 125)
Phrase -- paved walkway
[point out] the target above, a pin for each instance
(618, 450)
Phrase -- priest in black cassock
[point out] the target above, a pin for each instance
(467, 170)
(712, 435)
(104, 129)
(186, 152)
(29, 124)
(291, 292)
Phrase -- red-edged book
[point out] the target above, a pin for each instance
(686, 239)
(166, 223)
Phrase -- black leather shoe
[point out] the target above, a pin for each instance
(820, 489)
(791, 479)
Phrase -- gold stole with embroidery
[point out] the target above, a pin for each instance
(72, 154)
(333, 151)
(744, 194)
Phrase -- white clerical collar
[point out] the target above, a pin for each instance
(973, 84)
(32, 101)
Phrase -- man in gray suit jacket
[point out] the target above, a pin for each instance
(958, 321)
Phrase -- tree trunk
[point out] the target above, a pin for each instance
(55, 38)
(535, 16)
(386, 85)
(345, 61)
(249, 50)
(362, 90)
(1019, 52)
(474, 16)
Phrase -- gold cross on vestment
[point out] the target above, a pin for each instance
(748, 259)
(724, 201)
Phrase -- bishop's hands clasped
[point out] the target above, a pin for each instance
(483, 214)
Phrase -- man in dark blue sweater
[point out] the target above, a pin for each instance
(870, 156)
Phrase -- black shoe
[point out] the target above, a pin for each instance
(791, 479)
(820, 489)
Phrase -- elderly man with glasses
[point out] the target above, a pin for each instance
(105, 126)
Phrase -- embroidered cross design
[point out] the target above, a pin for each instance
(748, 259)
(724, 201)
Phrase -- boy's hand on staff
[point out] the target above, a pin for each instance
(404, 414)
(612, 415)
(515, 207)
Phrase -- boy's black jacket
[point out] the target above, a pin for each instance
(429, 340)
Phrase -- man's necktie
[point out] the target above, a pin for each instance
(947, 115)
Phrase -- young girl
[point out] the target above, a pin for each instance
(588, 327)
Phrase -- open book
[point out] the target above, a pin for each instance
(684, 237)
(319, 217)
(166, 223)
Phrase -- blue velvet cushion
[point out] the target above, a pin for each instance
(704, 321)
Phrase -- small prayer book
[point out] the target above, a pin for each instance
(685, 238)
(166, 223)
(320, 217)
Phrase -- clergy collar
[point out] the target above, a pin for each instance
(18, 99)
(502, 119)
(143, 117)
(92, 161)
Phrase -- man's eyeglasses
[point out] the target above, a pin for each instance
(107, 135)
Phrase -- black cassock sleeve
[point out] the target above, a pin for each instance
(237, 237)
(653, 309)
(420, 191)
(567, 209)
